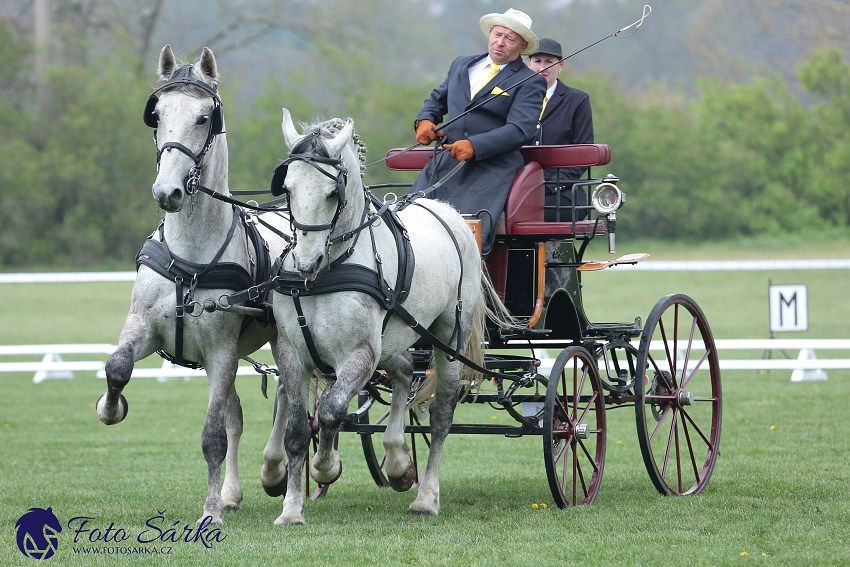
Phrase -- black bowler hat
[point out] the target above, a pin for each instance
(548, 46)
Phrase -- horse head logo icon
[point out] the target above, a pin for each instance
(37, 533)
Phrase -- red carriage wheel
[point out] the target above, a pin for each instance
(678, 399)
(574, 428)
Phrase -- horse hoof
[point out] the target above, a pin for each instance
(284, 520)
(121, 410)
(279, 489)
(315, 475)
(405, 482)
(209, 519)
(424, 506)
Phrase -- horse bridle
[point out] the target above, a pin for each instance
(278, 185)
(341, 179)
(184, 76)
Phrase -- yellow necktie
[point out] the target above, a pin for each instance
(542, 110)
(488, 76)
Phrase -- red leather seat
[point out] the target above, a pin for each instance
(526, 197)
(524, 206)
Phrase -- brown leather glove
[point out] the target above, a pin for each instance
(462, 150)
(425, 132)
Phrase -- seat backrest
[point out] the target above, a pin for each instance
(412, 160)
(572, 155)
(526, 197)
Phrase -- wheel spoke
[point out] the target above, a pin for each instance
(578, 475)
(690, 448)
(560, 403)
(381, 419)
(660, 423)
(688, 351)
(586, 409)
(678, 455)
(698, 429)
(566, 462)
(675, 342)
(562, 450)
(687, 380)
(671, 360)
(586, 453)
(669, 443)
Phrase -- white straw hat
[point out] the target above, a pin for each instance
(514, 20)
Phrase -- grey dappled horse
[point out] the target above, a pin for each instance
(196, 228)
(347, 326)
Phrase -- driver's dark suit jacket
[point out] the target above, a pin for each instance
(497, 131)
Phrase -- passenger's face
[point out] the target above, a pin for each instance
(540, 61)
(504, 45)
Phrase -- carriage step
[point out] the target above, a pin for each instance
(524, 333)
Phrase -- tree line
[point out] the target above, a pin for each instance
(734, 159)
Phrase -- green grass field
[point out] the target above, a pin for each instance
(779, 494)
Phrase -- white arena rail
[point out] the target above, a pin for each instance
(805, 365)
(53, 367)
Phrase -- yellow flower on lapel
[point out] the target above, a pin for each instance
(498, 91)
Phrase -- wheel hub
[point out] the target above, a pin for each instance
(581, 431)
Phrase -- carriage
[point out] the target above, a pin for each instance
(666, 368)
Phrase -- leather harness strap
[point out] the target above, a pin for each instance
(215, 275)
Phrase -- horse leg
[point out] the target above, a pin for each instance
(221, 374)
(231, 490)
(296, 442)
(427, 501)
(273, 472)
(399, 468)
(133, 344)
(326, 466)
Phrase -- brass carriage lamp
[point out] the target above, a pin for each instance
(607, 198)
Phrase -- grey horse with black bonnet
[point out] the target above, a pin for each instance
(350, 332)
(167, 308)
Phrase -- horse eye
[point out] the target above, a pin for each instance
(202, 120)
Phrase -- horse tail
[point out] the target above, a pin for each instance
(471, 379)
(494, 309)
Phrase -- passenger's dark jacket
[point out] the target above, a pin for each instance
(567, 119)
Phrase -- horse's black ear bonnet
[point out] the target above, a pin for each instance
(183, 76)
(279, 175)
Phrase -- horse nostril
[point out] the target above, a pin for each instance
(176, 195)
(317, 264)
